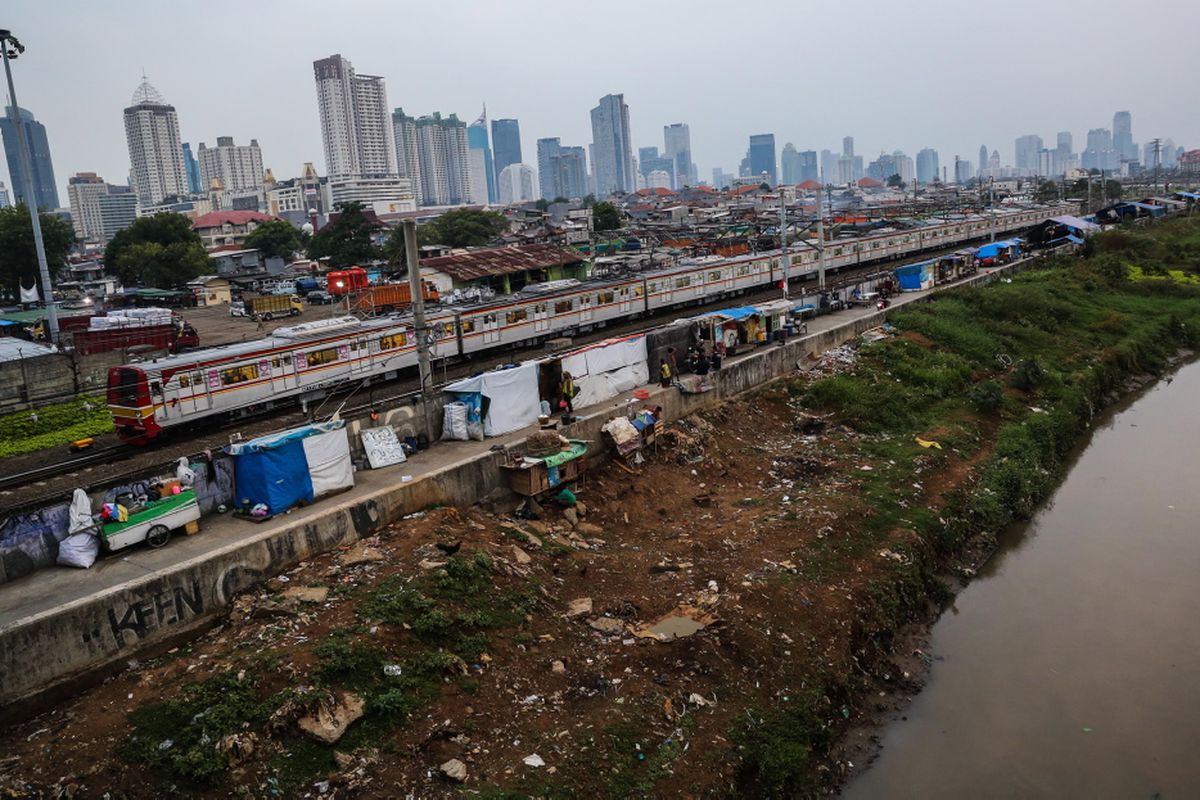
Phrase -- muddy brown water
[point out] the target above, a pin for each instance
(1070, 667)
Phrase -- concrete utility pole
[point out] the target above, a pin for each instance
(419, 328)
(820, 243)
(11, 48)
(784, 260)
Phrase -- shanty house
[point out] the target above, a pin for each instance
(507, 269)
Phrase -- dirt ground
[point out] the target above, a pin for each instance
(746, 519)
(216, 327)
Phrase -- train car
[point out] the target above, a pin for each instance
(303, 362)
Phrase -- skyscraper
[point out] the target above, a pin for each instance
(809, 171)
(481, 158)
(239, 168)
(4, 201)
(45, 193)
(191, 168)
(848, 146)
(506, 143)
(762, 156)
(570, 173)
(927, 165)
(612, 151)
(789, 165)
(155, 151)
(1028, 154)
(983, 158)
(355, 130)
(516, 184)
(99, 210)
(829, 166)
(677, 140)
(547, 150)
(1122, 132)
(434, 149)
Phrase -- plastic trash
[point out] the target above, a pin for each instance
(79, 550)
(184, 474)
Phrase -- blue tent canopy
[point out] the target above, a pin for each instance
(1192, 195)
(736, 313)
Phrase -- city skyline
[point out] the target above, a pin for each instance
(227, 96)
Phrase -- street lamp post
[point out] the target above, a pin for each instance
(10, 48)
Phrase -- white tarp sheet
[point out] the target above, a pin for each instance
(607, 369)
(512, 397)
(328, 456)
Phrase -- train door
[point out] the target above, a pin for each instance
(625, 299)
(361, 356)
(727, 280)
(189, 392)
(282, 371)
(541, 317)
(490, 327)
(585, 308)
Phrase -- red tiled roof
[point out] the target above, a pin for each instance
(810, 184)
(487, 261)
(216, 219)
(746, 189)
(867, 183)
(658, 191)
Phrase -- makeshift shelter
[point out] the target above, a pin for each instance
(607, 369)
(999, 252)
(915, 277)
(506, 399)
(294, 466)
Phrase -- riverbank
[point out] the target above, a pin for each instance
(788, 533)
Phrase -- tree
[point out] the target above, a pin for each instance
(895, 181)
(605, 217)
(348, 240)
(177, 255)
(1047, 192)
(18, 256)
(161, 266)
(589, 200)
(542, 204)
(464, 227)
(277, 237)
(559, 199)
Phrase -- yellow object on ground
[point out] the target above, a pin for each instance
(927, 444)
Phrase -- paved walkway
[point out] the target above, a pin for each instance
(58, 587)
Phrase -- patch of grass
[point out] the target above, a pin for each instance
(53, 425)
(180, 736)
(303, 762)
(778, 748)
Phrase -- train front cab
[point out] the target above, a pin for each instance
(131, 405)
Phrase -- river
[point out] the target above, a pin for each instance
(1070, 667)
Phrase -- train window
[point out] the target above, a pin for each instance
(185, 381)
(715, 275)
(287, 361)
(639, 291)
(683, 281)
(197, 379)
(468, 325)
(653, 286)
(605, 297)
(515, 316)
(318, 357)
(585, 300)
(393, 341)
(837, 251)
(563, 306)
(246, 372)
(743, 269)
(275, 362)
(446, 329)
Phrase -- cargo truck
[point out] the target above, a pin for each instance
(266, 306)
(390, 297)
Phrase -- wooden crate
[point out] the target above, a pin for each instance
(192, 528)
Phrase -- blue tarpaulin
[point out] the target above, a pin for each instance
(915, 277)
(737, 313)
(295, 466)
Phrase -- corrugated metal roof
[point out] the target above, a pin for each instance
(12, 349)
(475, 264)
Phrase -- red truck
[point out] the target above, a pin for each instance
(174, 338)
(390, 297)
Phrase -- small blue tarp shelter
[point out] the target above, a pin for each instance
(295, 466)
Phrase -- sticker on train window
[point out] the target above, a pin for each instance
(214, 379)
(301, 361)
(264, 368)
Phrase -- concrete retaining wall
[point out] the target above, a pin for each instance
(50, 649)
(41, 379)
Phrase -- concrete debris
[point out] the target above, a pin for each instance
(608, 626)
(520, 556)
(454, 770)
(332, 717)
(698, 700)
(579, 607)
(588, 529)
(428, 564)
(361, 553)
(558, 668)
(306, 594)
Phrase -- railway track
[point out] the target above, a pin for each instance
(406, 388)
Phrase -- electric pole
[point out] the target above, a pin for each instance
(419, 328)
(820, 243)
(10, 47)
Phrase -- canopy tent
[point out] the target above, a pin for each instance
(507, 398)
(735, 314)
(606, 369)
(293, 466)
(1010, 246)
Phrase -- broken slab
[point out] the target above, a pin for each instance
(360, 554)
(608, 626)
(454, 770)
(579, 607)
(305, 594)
(332, 717)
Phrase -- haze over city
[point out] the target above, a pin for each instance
(895, 76)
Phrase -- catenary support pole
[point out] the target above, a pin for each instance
(30, 198)
(420, 330)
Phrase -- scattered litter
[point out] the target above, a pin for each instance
(393, 670)
(926, 443)
(534, 761)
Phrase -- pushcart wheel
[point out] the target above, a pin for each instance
(158, 535)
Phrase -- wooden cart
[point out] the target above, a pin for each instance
(531, 477)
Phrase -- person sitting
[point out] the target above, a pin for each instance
(714, 361)
(701, 362)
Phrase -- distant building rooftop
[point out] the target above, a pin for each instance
(215, 219)
(489, 261)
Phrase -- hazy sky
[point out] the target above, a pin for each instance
(895, 75)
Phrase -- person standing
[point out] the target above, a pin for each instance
(568, 392)
(701, 362)
(664, 373)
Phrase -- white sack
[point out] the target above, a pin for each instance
(80, 518)
(79, 550)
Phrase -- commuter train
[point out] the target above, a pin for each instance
(303, 362)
